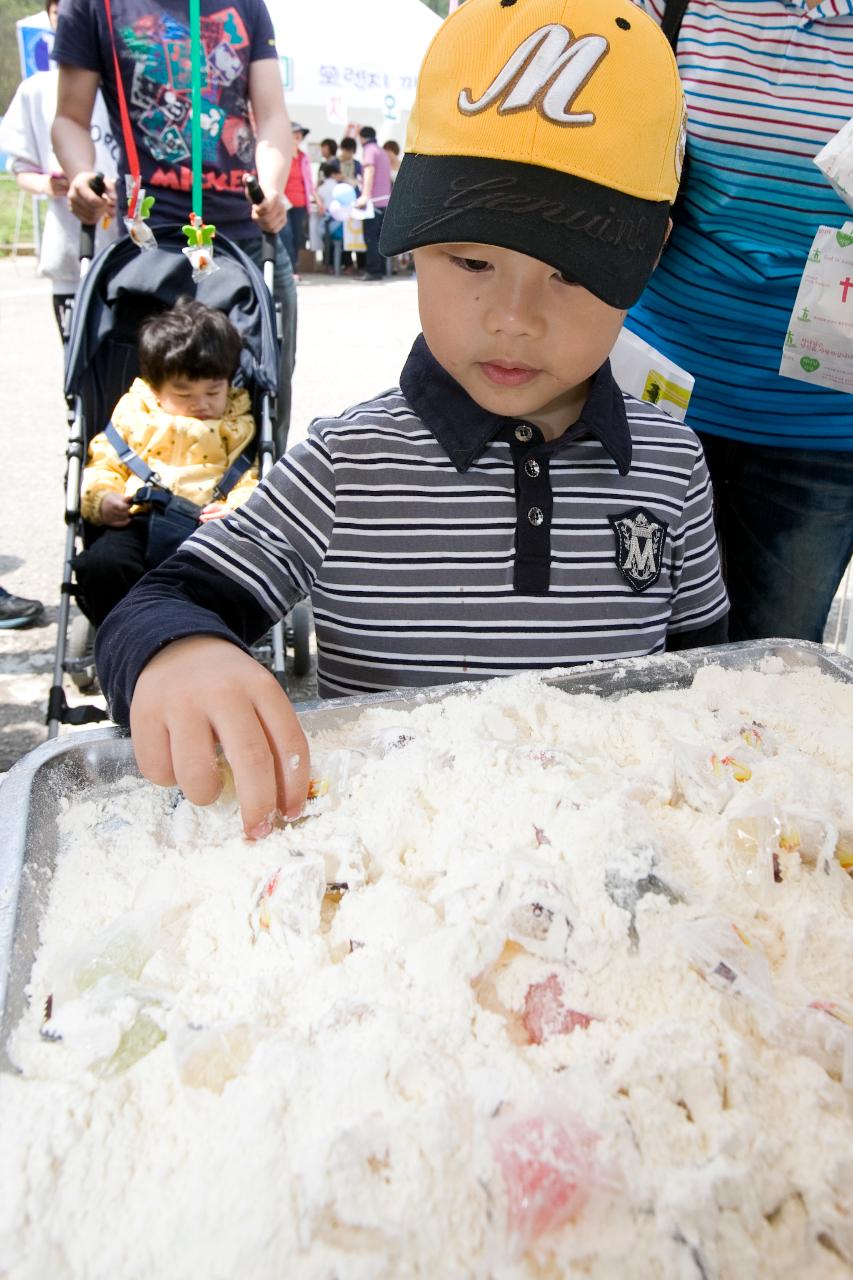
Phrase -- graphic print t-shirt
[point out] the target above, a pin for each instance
(153, 43)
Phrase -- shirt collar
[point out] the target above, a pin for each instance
(464, 429)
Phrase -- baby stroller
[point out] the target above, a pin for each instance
(119, 290)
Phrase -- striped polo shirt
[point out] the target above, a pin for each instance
(439, 542)
(768, 83)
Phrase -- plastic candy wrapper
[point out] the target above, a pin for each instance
(835, 161)
(705, 780)
(289, 900)
(823, 1030)
(199, 248)
(549, 1169)
(728, 960)
(109, 1028)
(138, 210)
(331, 777)
(539, 913)
(546, 1013)
(632, 879)
(769, 844)
(208, 1057)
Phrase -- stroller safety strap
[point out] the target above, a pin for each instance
(131, 459)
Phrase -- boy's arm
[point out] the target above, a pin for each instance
(184, 681)
(229, 583)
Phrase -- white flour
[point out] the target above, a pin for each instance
(565, 1018)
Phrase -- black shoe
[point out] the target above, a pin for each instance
(15, 612)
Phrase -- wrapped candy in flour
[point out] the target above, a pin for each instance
(705, 780)
(548, 1168)
(546, 1013)
(631, 879)
(539, 914)
(99, 1008)
(332, 775)
(823, 1030)
(730, 961)
(289, 899)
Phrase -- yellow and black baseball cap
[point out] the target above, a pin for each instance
(552, 127)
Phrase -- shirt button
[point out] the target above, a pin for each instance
(531, 468)
(523, 434)
(535, 516)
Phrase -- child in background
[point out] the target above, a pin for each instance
(333, 229)
(506, 508)
(184, 420)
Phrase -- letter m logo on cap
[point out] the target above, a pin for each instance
(546, 72)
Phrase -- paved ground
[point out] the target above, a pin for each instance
(353, 339)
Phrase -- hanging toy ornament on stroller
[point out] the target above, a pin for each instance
(138, 208)
(199, 248)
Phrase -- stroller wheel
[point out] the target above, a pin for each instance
(299, 624)
(81, 639)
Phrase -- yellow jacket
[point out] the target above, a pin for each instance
(190, 456)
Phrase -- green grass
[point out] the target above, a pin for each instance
(9, 193)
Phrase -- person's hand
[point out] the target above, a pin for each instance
(201, 691)
(87, 206)
(214, 511)
(56, 185)
(115, 510)
(360, 202)
(270, 213)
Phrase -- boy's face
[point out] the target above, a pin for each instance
(193, 397)
(520, 339)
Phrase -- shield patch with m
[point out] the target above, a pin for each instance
(640, 540)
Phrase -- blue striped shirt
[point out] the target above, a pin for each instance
(768, 83)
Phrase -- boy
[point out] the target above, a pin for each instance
(507, 507)
(184, 420)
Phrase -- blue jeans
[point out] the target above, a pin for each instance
(285, 295)
(294, 233)
(372, 227)
(785, 523)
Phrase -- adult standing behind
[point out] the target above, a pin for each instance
(240, 73)
(350, 166)
(375, 189)
(25, 137)
(768, 82)
(299, 191)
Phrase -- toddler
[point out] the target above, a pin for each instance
(182, 422)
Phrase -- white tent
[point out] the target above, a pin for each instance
(344, 62)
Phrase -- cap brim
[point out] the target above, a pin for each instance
(601, 238)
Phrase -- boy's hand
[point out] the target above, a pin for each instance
(115, 510)
(213, 511)
(201, 691)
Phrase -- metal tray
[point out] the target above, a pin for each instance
(32, 792)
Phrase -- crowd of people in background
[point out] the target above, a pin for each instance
(314, 220)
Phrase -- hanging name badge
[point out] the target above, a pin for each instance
(819, 341)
